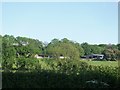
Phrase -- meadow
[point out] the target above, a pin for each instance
(103, 63)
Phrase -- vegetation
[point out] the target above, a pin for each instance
(21, 69)
(62, 74)
(103, 63)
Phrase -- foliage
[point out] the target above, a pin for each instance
(111, 54)
(86, 48)
(71, 75)
(118, 45)
(22, 70)
(64, 48)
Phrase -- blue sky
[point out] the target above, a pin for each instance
(60, 0)
(91, 22)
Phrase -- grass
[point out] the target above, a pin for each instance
(93, 63)
(103, 63)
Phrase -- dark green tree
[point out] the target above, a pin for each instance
(64, 48)
(118, 46)
(87, 48)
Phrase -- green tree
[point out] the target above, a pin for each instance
(79, 48)
(0, 50)
(111, 54)
(57, 48)
(95, 49)
(8, 51)
(68, 50)
(118, 46)
(8, 57)
(29, 46)
(87, 48)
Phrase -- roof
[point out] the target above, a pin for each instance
(97, 54)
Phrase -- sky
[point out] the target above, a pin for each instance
(92, 22)
(60, 0)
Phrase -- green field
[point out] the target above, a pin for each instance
(103, 63)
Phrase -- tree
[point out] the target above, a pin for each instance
(79, 48)
(95, 49)
(0, 49)
(8, 57)
(86, 47)
(111, 54)
(54, 41)
(65, 40)
(57, 48)
(8, 52)
(118, 46)
(29, 46)
(68, 50)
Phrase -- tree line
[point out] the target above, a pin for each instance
(13, 48)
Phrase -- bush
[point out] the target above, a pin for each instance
(62, 73)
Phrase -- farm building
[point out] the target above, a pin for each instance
(41, 56)
(93, 56)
